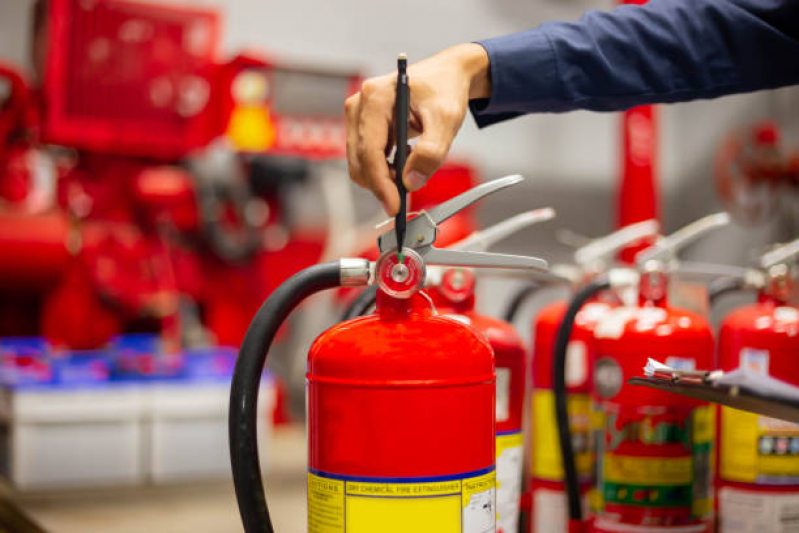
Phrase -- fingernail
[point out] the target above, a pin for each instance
(415, 180)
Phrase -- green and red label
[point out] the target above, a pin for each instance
(654, 464)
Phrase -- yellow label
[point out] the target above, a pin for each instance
(758, 448)
(645, 471)
(509, 440)
(546, 462)
(446, 506)
(325, 505)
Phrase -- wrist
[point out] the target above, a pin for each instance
(476, 64)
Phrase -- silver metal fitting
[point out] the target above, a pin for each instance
(354, 272)
(400, 273)
(400, 280)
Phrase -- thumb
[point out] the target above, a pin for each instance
(427, 156)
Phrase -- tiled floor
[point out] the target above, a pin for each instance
(198, 508)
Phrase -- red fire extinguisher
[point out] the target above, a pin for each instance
(453, 294)
(546, 474)
(401, 404)
(653, 450)
(454, 297)
(758, 456)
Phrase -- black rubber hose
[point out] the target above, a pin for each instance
(361, 304)
(570, 478)
(722, 286)
(518, 299)
(242, 421)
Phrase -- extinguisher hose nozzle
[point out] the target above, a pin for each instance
(242, 422)
(570, 476)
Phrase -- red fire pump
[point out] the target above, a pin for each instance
(546, 475)
(758, 456)
(134, 87)
(654, 452)
(401, 404)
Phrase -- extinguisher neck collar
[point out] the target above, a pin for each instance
(393, 309)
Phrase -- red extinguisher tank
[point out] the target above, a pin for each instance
(454, 297)
(547, 498)
(654, 450)
(401, 438)
(758, 475)
(546, 471)
(452, 292)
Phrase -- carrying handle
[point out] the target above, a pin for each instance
(482, 240)
(786, 253)
(666, 248)
(422, 231)
(604, 249)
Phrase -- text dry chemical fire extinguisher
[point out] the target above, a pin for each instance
(758, 478)
(654, 453)
(546, 473)
(453, 292)
(401, 413)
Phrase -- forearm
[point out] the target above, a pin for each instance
(666, 51)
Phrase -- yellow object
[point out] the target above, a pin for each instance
(748, 446)
(508, 441)
(546, 462)
(251, 129)
(648, 471)
(450, 506)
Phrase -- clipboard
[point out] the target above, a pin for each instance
(740, 389)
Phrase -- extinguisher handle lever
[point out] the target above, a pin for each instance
(448, 209)
(666, 248)
(437, 256)
(481, 241)
(787, 253)
(603, 249)
(422, 229)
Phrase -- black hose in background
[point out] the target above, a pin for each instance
(361, 304)
(722, 286)
(570, 477)
(242, 420)
(518, 299)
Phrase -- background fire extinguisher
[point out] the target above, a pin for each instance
(401, 406)
(758, 472)
(546, 497)
(653, 453)
(453, 293)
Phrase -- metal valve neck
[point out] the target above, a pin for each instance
(400, 279)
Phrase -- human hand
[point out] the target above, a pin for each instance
(440, 89)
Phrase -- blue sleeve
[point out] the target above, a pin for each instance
(664, 51)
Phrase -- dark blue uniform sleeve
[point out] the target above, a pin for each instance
(664, 51)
